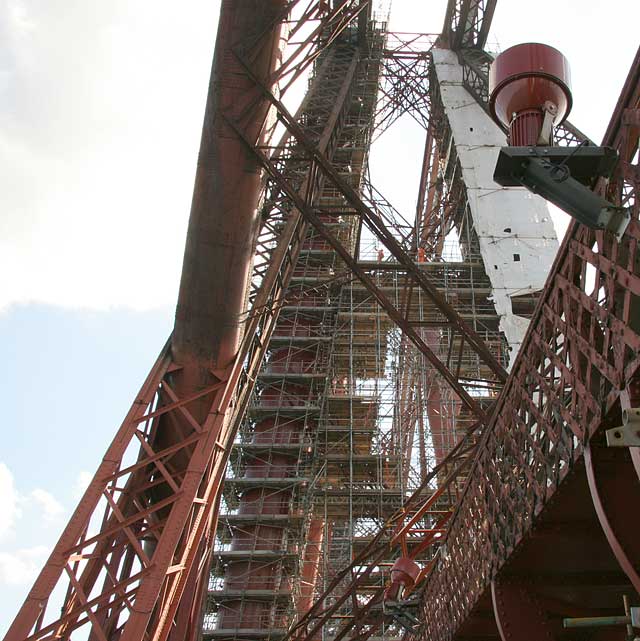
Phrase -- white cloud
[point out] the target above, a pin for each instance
(101, 105)
(22, 566)
(51, 507)
(37, 503)
(23, 514)
(82, 483)
(9, 502)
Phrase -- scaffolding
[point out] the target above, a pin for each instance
(347, 418)
(290, 450)
(347, 422)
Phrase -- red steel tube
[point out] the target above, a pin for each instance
(223, 220)
(277, 429)
(521, 80)
(310, 566)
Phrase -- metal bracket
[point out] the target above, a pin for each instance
(402, 612)
(563, 176)
(550, 111)
(628, 434)
(615, 219)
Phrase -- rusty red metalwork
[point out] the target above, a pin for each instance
(260, 504)
(412, 533)
(529, 474)
(467, 334)
(140, 538)
(466, 23)
(519, 614)
(581, 349)
(223, 221)
(160, 504)
(133, 559)
(614, 487)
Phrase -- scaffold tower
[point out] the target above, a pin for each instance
(362, 415)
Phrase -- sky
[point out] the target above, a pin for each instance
(101, 106)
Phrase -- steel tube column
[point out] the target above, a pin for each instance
(141, 530)
(223, 221)
(222, 225)
(252, 584)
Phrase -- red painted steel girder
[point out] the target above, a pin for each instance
(161, 508)
(392, 538)
(519, 615)
(467, 23)
(331, 97)
(224, 218)
(221, 237)
(448, 591)
(378, 227)
(581, 351)
(152, 541)
(384, 302)
(615, 490)
(385, 236)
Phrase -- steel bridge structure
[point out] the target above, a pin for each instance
(349, 391)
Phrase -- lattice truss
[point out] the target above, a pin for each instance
(581, 352)
(404, 80)
(140, 535)
(364, 436)
(409, 447)
(351, 412)
(467, 23)
(352, 603)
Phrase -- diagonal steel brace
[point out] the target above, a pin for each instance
(378, 227)
(308, 213)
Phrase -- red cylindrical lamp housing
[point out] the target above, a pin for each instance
(522, 80)
(404, 574)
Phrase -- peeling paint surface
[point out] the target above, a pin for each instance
(518, 242)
